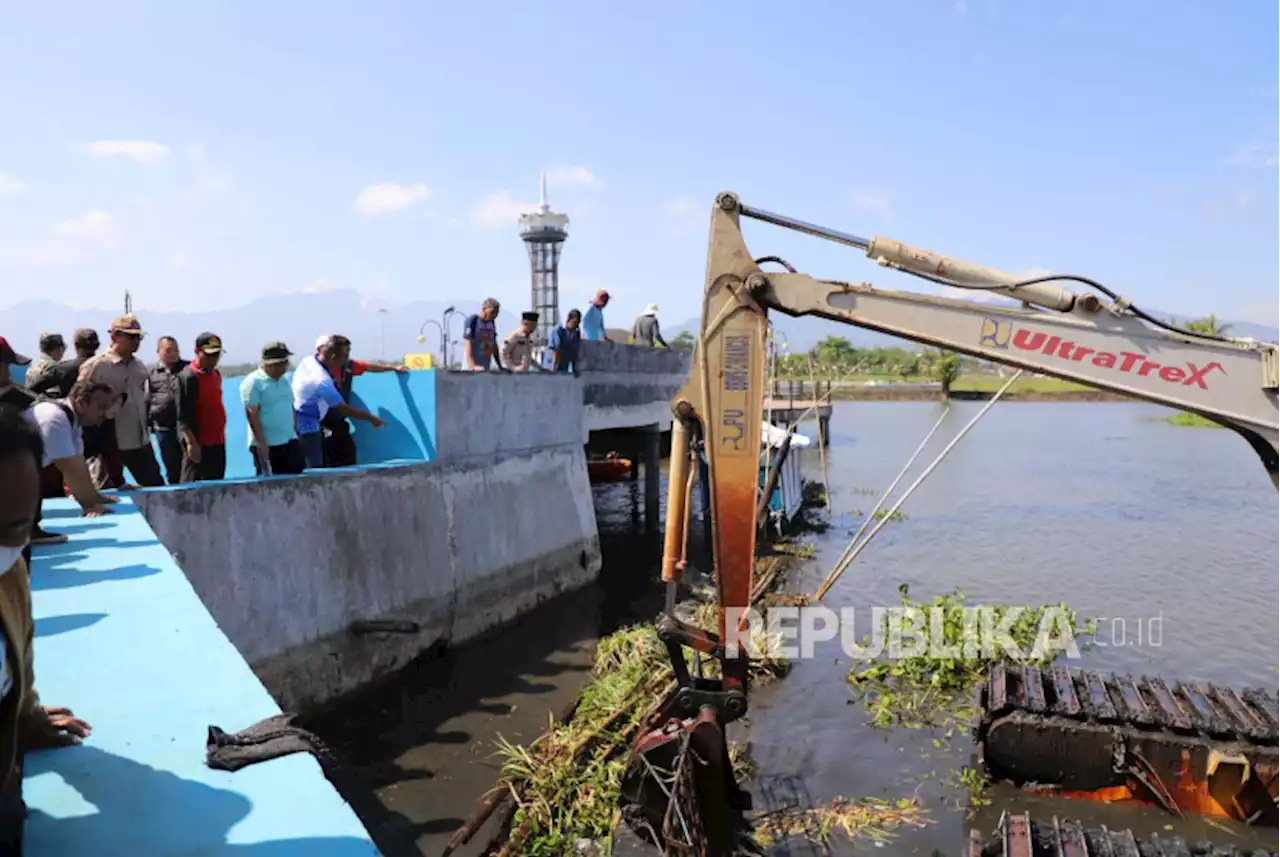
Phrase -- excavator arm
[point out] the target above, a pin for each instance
(1107, 345)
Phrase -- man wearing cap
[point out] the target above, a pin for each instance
(119, 369)
(646, 330)
(593, 319)
(517, 351)
(10, 393)
(202, 418)
(339, 445)
(52, 350)
(268, 405)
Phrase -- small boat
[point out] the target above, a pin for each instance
(608, 468)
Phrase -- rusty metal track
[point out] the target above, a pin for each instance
(1018, 835)
(1190, 748)
(1145, 703)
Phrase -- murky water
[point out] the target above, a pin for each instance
(1102, 505)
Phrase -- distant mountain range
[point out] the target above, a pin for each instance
(299, 319)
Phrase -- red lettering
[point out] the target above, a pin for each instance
(1125, 361)
(1027, 340)
(1130, 358)
(1198, 373)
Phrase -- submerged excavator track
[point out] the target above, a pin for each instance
(1021, 836)
(1081, 733)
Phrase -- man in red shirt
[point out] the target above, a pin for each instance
(202, 419)
(339, 445)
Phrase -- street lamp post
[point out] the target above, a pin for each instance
(444, 340)
(444, 326)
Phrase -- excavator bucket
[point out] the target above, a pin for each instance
(1188, 748)
(680, 789)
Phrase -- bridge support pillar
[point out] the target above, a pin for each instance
(651, 449)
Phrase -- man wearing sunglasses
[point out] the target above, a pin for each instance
(118, 368)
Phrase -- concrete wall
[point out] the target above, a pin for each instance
(406, 402)
(499, 520)
(628, 385)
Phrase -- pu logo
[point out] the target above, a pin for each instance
(995, 334)
(418, 361)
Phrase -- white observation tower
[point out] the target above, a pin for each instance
(544, 233)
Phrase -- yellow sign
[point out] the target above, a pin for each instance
(419, 361)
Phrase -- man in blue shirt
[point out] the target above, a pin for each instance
(593, 321)
(564, 344)
(315, 393)
(268, 405)
(480, 337)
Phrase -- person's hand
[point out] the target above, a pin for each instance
(193, 452)
(96, 510)
(53, 726)
(376, 422)
(402, 369)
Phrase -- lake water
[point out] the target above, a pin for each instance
(1102, 505)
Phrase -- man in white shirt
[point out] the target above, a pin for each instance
(60, 424)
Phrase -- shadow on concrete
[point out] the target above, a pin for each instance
(45, 577)
(144, 810)
(77, 544)
(117, 509)
(52, 625)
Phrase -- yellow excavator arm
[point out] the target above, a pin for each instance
(1095, 338)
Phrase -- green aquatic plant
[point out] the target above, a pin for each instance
(1190, 420)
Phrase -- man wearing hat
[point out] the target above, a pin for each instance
(202, 418)
(517, 351)
(646, 330)
(268, 405)
(127, 377)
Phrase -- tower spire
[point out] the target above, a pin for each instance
(542, 192)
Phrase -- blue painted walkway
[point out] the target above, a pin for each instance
(123, 640)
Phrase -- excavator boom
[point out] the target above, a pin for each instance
(1106, 345)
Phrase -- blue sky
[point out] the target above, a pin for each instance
(200, 154)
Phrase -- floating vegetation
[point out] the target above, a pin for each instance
(865, 492)
(1190, 420)
(867, 818)
(802, 550)
(895, 516)
(932, 687)
(812, 494)
(564, 787)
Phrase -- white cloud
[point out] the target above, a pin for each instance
(878, 203)
(387, 197)
(567, 176)
(145, 152)
(9, 186)
(96, 227)
(685, 215)
(179, 261)
(501, 210)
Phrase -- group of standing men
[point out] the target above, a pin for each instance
(98, 412)
(479, 334)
